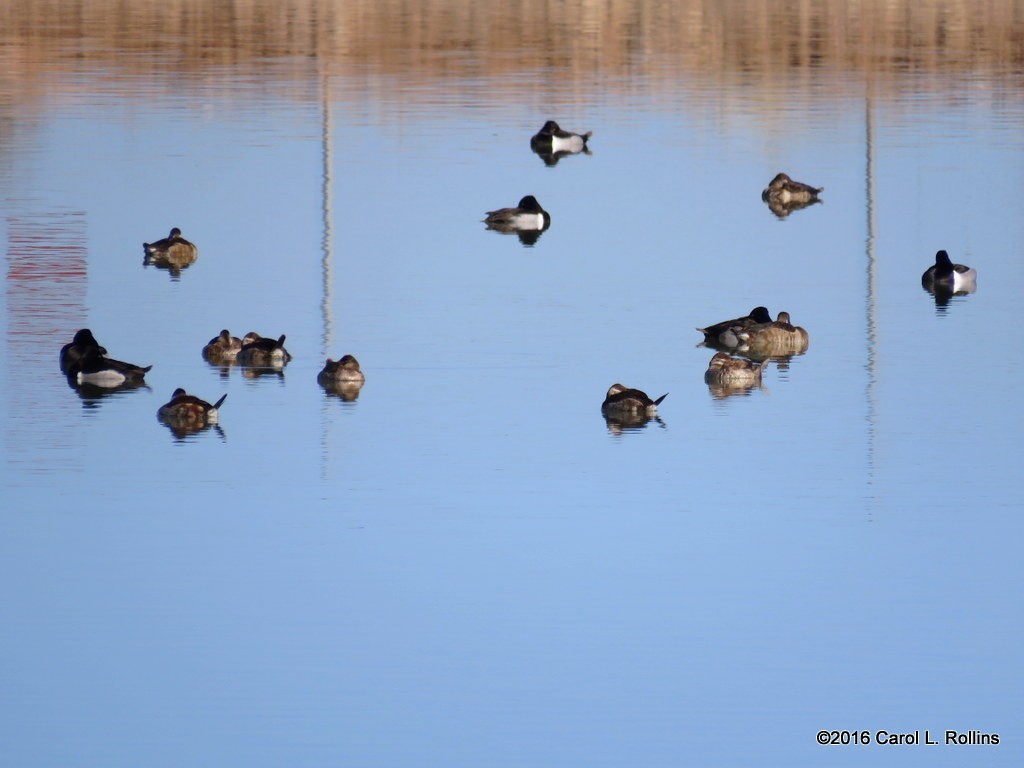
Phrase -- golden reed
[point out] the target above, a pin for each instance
(831, 46)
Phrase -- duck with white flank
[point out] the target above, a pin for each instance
(97, 369)
(528, 216)
(957, 278)
(552, 143)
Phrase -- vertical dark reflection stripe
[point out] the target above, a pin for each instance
(871, 303)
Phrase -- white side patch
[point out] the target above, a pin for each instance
(571, 144)
(107, 378)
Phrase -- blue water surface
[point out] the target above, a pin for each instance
(467, 566)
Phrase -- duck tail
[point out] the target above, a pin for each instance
(658, 401)
(586, 136)
(218, 404)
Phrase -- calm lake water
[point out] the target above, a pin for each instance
(466, 565)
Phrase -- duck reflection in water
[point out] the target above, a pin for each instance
(173, 253)
(783, 195)
(944, 280)
(528, 220)
(552, 143)
(626, 409)
(342, 378)
(262, 372)
(93, 395)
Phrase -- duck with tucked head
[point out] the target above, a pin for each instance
(222, 348)
(97, 369)
(725, 332)
(527, 216)
(71, 354)
(187, 411)
(552, 140)
(344, 371)
(944, 274)
(778, 337)
(173, 251)
(262, 351)
(727, 370)
(622, 399)
(784, 190)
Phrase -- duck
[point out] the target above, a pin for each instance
(185, 410)
(945, 274)
(552, 139)
(723, 369)
(344, 371)
(784, 190)
(724, 333)
(622, 399)
(72, 353)
(778, 337)
(528, 215)
(222, 348)
(97, 369)
(173, 249)
(262, 351)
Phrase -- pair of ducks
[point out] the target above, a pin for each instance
(251, 350)
(759, 333)
(85, 361)
(723, 370)
(528, 215)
